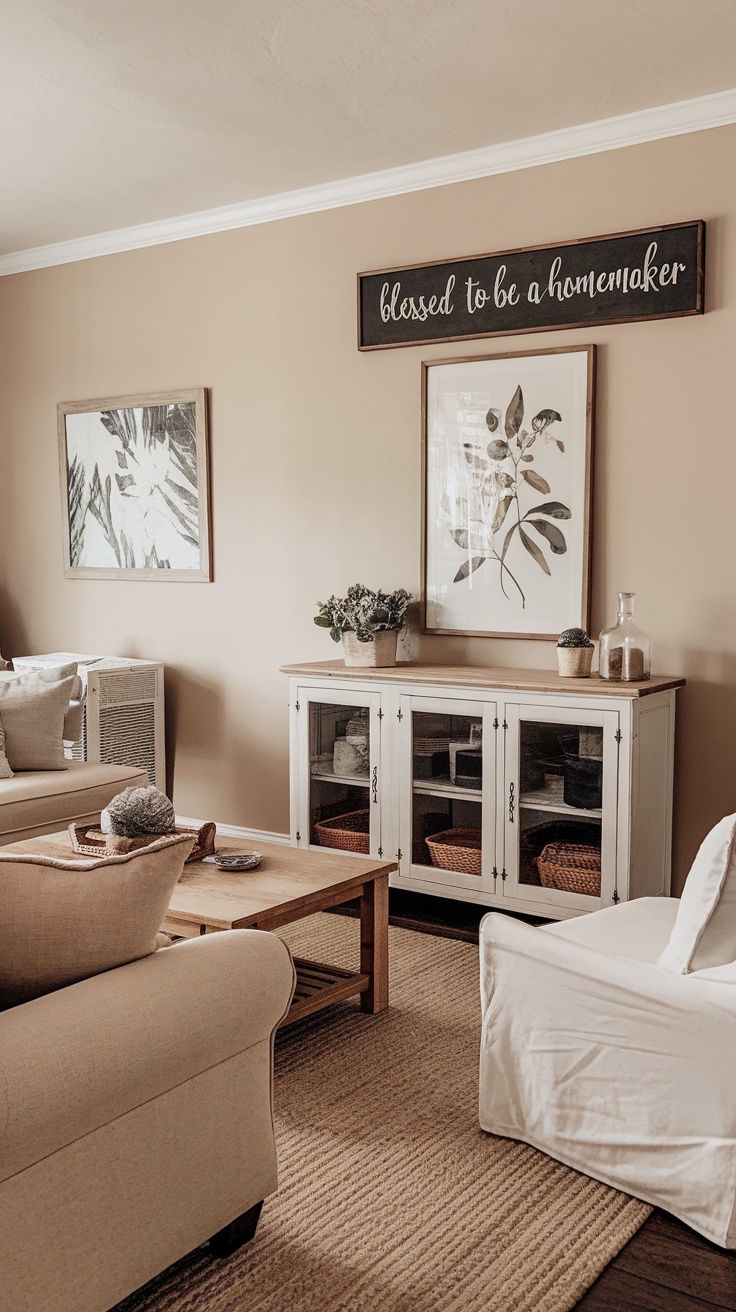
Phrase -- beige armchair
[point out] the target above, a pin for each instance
(135, 1119)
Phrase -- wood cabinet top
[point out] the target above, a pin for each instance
(485, 676)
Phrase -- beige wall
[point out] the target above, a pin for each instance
(316, 456)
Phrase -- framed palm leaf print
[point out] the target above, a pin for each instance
(135, 487)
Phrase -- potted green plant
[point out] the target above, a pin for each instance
(366, 622)
(574, 654)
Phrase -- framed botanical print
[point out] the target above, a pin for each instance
(135, 487)
(507, 492)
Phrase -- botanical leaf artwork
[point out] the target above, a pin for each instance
(132, 488)
(507, 441)
(495, 511)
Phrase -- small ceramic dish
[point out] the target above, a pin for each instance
(235, 860)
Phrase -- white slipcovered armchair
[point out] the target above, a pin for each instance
(609, 1041)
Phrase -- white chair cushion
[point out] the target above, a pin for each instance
(704, 933)
(637, 930)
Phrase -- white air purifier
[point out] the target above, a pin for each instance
(123, 721)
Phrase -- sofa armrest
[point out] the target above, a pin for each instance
(80, 1057)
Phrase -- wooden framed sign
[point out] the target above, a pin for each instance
(654, 273)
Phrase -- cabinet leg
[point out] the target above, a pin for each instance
(238, 1232)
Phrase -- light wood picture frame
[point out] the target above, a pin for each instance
(507, 485)
(135, 487)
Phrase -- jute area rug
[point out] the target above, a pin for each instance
(391, 1198)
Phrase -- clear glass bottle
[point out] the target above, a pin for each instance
(625, 649)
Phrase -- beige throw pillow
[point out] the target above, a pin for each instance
(32, 709)
(63, 921)
(5, 770)
(74, 719)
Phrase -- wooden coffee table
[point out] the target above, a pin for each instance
(289, 885)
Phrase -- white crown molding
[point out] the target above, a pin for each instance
(713, 111)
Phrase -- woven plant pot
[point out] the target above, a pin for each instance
(574, 662)
(380, 652)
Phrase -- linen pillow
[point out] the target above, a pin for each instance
(49, 674)
(704, 932)
(5, 770)
(73, 723)
(32, 709)
(66, 919)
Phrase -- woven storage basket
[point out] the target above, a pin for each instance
(571, 867)
(90, 840)
(350, 832)
(456, 849)
(428, 746)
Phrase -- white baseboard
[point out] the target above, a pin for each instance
(237, 831)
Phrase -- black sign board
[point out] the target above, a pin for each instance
(656, 273)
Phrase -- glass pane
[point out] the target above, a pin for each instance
(447, 757)
(339, 752)
(560, 806)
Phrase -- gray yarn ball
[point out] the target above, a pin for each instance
(138, 811)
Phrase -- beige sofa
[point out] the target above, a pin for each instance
(40, 801)
(135, 1119)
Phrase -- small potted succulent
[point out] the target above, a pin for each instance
(574, 654)
(366, 622)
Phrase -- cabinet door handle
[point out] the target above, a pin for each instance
(374, 783)
(512, 803)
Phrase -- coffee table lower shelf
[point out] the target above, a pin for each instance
(319, 985)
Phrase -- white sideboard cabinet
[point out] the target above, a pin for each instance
(509, 788)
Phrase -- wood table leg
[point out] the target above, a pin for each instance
(374, 943)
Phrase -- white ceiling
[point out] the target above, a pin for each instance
(121, 112)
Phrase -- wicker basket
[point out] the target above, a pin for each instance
(350, 832)
(90, 840)
(428, 746)
(571, 867)
(456, 849)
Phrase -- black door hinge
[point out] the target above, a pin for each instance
(380, 851)
(399, 714)
(618, 735)
(298, 837)
(495, 723)
(296, 706)
(504, 873)
(615, 897)
(380, 713)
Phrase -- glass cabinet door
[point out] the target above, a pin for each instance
(559, 800)
(338, 806)
(447, 780)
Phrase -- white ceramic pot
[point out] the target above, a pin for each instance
(574, 662)
(380, 652)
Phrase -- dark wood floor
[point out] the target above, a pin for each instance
(666, 1267)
